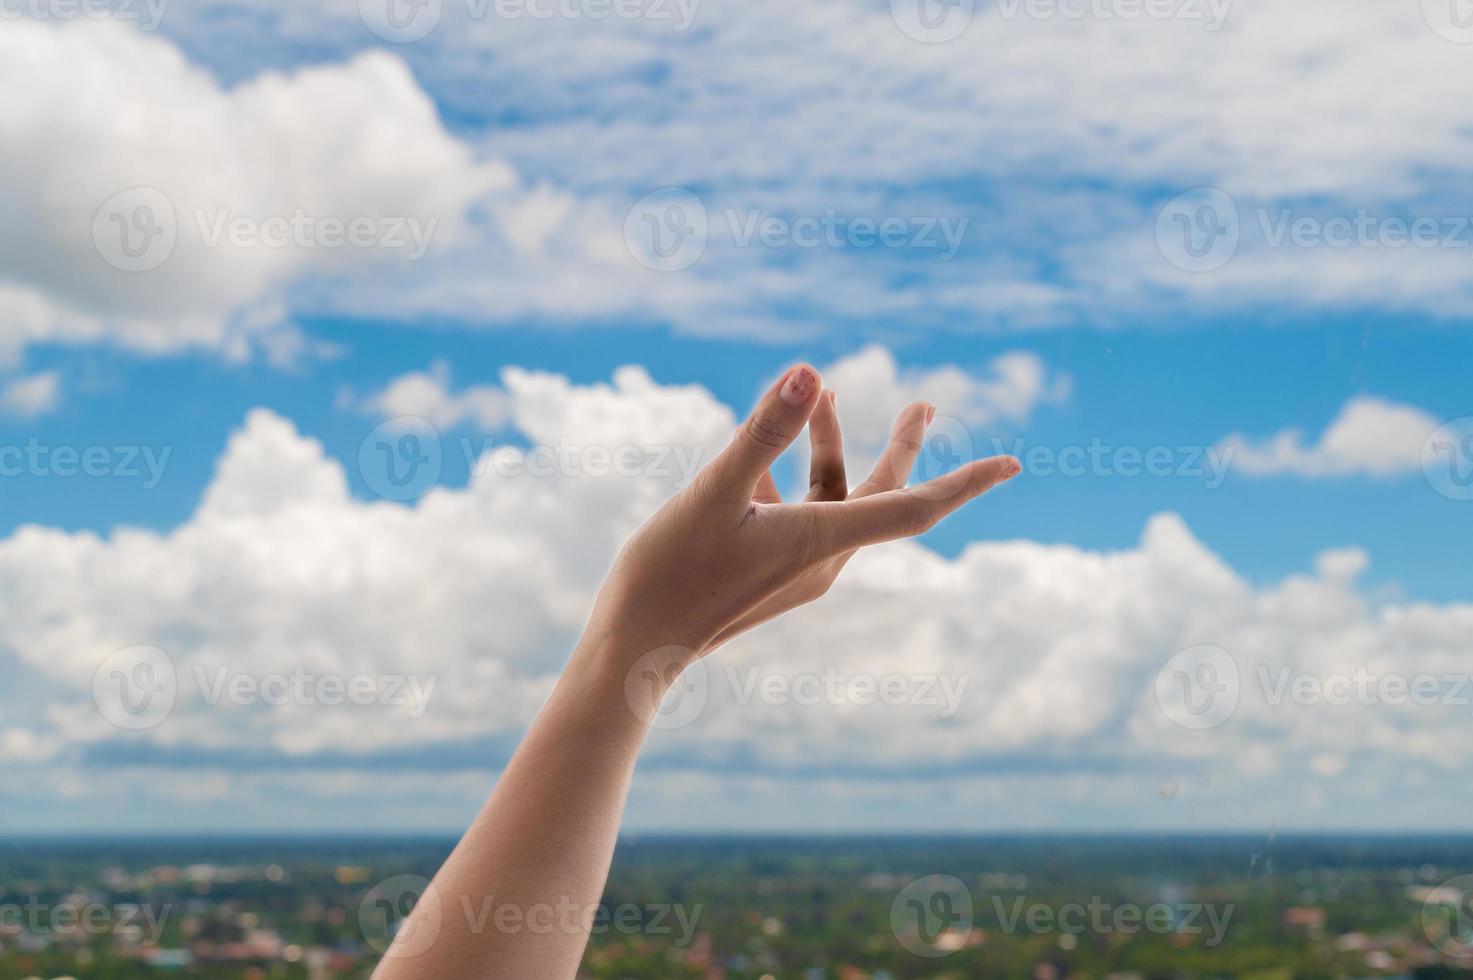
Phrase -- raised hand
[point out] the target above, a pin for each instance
(727, 553)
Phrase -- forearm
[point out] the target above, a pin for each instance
(516, 896)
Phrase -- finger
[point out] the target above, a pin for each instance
(767, 492)
(911, 511)
(826, 477)
(899, 457)
(773, 425)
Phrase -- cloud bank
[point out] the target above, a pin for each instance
(1012, 657)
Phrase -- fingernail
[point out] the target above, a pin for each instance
(1011, 469)
(799, 387)
(930, 413)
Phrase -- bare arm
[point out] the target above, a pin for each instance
(515, 899)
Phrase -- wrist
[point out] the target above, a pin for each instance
(637, 671)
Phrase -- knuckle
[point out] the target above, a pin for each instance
(767, 431)
(919, 519)
(827, 479)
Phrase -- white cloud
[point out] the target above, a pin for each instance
(1062, 187)
(1010, 390)
(1370, 436)
(1060, 192)
(338, 143)
(428, 395)
(31, 395)
(485, 588)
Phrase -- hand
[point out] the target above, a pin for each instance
(726, 553)
(827, 480)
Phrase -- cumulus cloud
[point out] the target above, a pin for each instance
(1370, 436)
(1013, 656)
(150, 206)
(429, 395)
(1007, 392)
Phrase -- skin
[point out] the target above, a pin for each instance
(515, 898)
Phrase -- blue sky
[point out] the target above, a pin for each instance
(1163, 384)
(1087, 303)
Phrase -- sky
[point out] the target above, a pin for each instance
(342, 344)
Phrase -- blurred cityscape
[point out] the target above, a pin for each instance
(769, 909)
